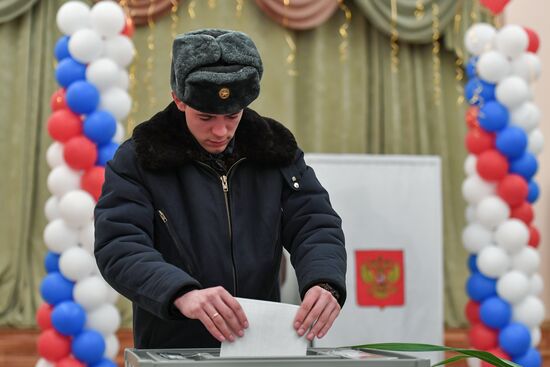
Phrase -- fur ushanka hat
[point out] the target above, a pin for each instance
(215, 71)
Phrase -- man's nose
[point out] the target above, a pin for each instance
(219, 129)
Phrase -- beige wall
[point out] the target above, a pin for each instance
(534, 14)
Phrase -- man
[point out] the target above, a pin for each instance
(198, 204)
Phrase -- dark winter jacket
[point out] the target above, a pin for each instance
(167, 223)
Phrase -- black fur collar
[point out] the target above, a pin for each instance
(165, 141)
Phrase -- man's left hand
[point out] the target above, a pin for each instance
(319, 309)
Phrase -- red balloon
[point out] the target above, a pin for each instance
(523, 212)
(53, 346)
(63, 125)
(57, 100)
(534, 41)
(491, 165)
(128, 27)
(472, 312)
(92, 181)
(478, 140)
(513, 189)
(471, 117)
(482, 337)
(80, 153)
(495, 6)
(44, 316)
(69, 361)
(534, 236)
(499, 353)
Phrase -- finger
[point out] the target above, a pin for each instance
(306, 306)
(313, 315)
(218, 320)
(235, 306)
(210, 326)
(322, 320)
(328, 325)
(229, 316)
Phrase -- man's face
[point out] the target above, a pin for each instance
(212, 132)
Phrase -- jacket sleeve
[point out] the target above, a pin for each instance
(124, 232)
(312, 231)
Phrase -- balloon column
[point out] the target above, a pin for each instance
(503, 141)
(78, 319)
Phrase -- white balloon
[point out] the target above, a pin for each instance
(85, 45)
(105, 319)
(536, 141)
(107, 18)
(512, 40)
(535, 337)
(120, 133)
(76, 263)
(103, 73)
(63, 179)
(112, 295)
(77, 208)
(112, 346)
(479, 38)
(43, 363)
(90, 292)
(513, 286)
(475, 237)
(492, 261)
(512, 235)
(512, 91)
(536, 284)
(123, 81)
(493, 66)
(51, 209)
(120, 49)
(526, 261)
(58, 236)
(72, 16)
(527, 66)
(117, 101)
(529, 312)
(492, 211)
(54, 155)
(526, 116)
(474, 189)
(86, 237)
(470, 165)
(470, 214)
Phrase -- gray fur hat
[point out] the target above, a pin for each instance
(215, 71)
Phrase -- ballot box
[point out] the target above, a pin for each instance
(333, 357)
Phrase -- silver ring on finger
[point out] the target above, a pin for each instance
(214, 315)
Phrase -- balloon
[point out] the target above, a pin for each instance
(534, 236)
(86, 237)
(57, 100)
(529, 312)
(61, 49)
(527, 66)
(479, 92)
(491, 165)
(51, 262)
(51, 209)
(86, 45)
(513, 189)
(475, 237)
(535, 337)
(58, 236)
(533, 44)
(120, 133)
(512, 235)
(530, 359)
(105, 319)
(526, 261)
(128, 27)
(43, 363)
(90, 292)
(513, 286)
(482, 337)
(88, 346)
(112, 295)
(105, 362)
(116, 101)
(112, 346)
(511, 141)
(493, 116)
(512, 91)
(511, 40)
(471, 67)
(106, 153)
(479, 38)
(536, 285)
(533, 194)
(495, 6)
(523, 212)
(103, 73)
(471, 116)
(472, 263)
(470, 165)
(92, 181)
(82, 97)
(68, 318)
(70, 362)
(526, 116)
(120, 49)
(493, 66)
(526, 165)
(472, 311)
(492, 261)
(498, 353)
(495, 313)
(55, 288)
(77, 208)
(53, 346)
(535, 141)
(72, 16)
(479, 287)
(64, 125)
(76, 263)
(474, 189)
(80, 153)
(478, 140)
(515, 339)
(492, 211)
(69, 71)
(62, 179)
(107, 18)
(44, 316)
(100, 127)
(123, 80)
(54, 155)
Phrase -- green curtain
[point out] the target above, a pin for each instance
(354, 105)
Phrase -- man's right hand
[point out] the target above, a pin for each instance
(217, 309)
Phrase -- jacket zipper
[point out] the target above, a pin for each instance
(175, 239)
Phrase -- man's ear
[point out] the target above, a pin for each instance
(181, 106)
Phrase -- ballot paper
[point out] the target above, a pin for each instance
(270, 332)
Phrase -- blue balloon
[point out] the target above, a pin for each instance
(495, 312)
(479, 287)
(471, 71)
(100, 127)
(105, 153)
(511, 141)
(105, 362)
(479, 92)
(61, 49)
(472, 263)
(68, 318)
(534, 192)
(515, 339)
(69, 71)
(55, 288)
(525, 166)
(530, 359)
(82, 97)
(88, 346)
(493, 116)
(51, 262)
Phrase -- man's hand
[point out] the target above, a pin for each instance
(218, 310)
(319, 308)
